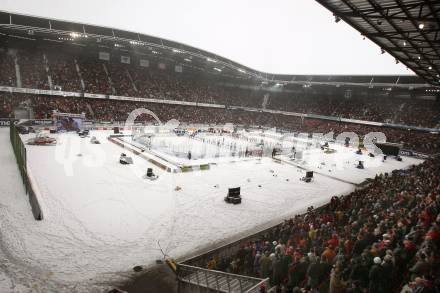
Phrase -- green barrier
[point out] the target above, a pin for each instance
(20, 156)
(322, 117)
(204, 167)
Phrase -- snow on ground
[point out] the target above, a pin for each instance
(342, 164)
(102, 218)
(339, 165)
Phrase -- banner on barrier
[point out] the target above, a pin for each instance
(38, 92)
(331, 118)
(361, 122)
(410, 153)
(6, 122)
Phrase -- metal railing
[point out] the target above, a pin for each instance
(218, 281)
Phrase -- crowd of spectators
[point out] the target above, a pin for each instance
(160, 84)
(117, 110)
(424, 113)
(33, 70)
(112, 77)
(121, 80)
(419, 113)
(7, 72)
(95, 77)
(7, 105)
(382, 238)
(64, 73)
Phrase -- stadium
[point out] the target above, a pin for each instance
(135, 163)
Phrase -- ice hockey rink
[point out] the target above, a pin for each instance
(102, 218)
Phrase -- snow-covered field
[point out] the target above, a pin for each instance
(102, 218)
(342, 164)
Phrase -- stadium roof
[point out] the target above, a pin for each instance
(25, 27)
(409, 30)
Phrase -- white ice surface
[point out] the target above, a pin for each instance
(202, 152)
(101, 218)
